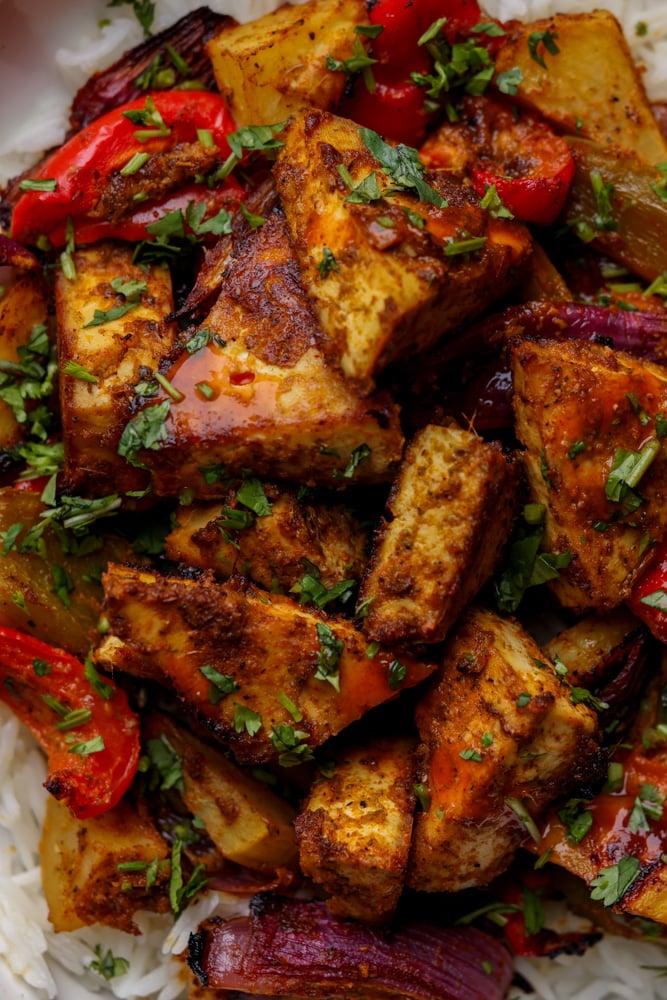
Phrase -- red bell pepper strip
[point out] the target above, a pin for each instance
(83, 722)
(395, 108)
(648, 599)
(133, 228)
(83, 166)
(540, 195)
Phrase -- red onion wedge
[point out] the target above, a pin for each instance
(12, 254)
(122, 82)
(486, 399)
(290, 947)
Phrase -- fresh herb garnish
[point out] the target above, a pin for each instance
(611, 884)
(328, 656)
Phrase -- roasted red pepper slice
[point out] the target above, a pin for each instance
(84, 722)
(652, 586)
(538, 197)
(530, 166)
(133, 227)
(83, 166)
(395, 108)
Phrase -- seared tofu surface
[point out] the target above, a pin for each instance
(259, 394)
(115, 354)
(391, 288)
(354, 830)
(448, 517)
(501, 737)
(268, 650)
(590, 421)
(277, 550)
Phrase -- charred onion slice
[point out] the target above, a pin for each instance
(288, 946)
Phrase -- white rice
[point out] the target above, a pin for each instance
(35, 962)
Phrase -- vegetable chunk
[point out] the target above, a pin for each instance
(276, 64)
(590, 87)
(80, 874)
(448, 518)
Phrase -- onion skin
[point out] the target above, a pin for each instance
(291, 947)
(118, 84)
(486, 399)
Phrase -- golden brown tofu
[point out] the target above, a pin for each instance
(274, 551)
(594, 459)
(379, 273)
(354, 830)
(499, 731)
(62, 611)
(259, 394)
(284, 678)
(80, 875)
(626, 824)
(591, 87)
(272, 66)
(116, 354)
(23, 305)
(247, 822)
(448, 517)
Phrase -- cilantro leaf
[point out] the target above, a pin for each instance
(611, 884)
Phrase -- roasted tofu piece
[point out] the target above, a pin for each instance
(590, 419)
(111, 336)
(277, 550)
(501, 740)
(590, 87)
(46, 591)
(387, 276)
(247, 822)
(616, 841)
(448, 517)
(259, 394)
(272, 66)
(82, 881)
(354, 830)
(268, 678)
(23, 306)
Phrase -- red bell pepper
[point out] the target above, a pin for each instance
(83, 166)
(530, 166)
(134, 227)
(648, 599)
(540, 195)
(395, 108)
(84, 722)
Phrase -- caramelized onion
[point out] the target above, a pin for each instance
(12, 254)
(288, 946)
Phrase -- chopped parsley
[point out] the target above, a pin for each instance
(221, 684)
(611, 884)
(245, 719)
(328, 656)
(147, 429)
(290, 745)
(144, 11)
(397, 673)
(107, 965)
(648, 805)
(576, 820)
(526, 566)
(401, 164)
(328, 263)
(546, 39)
